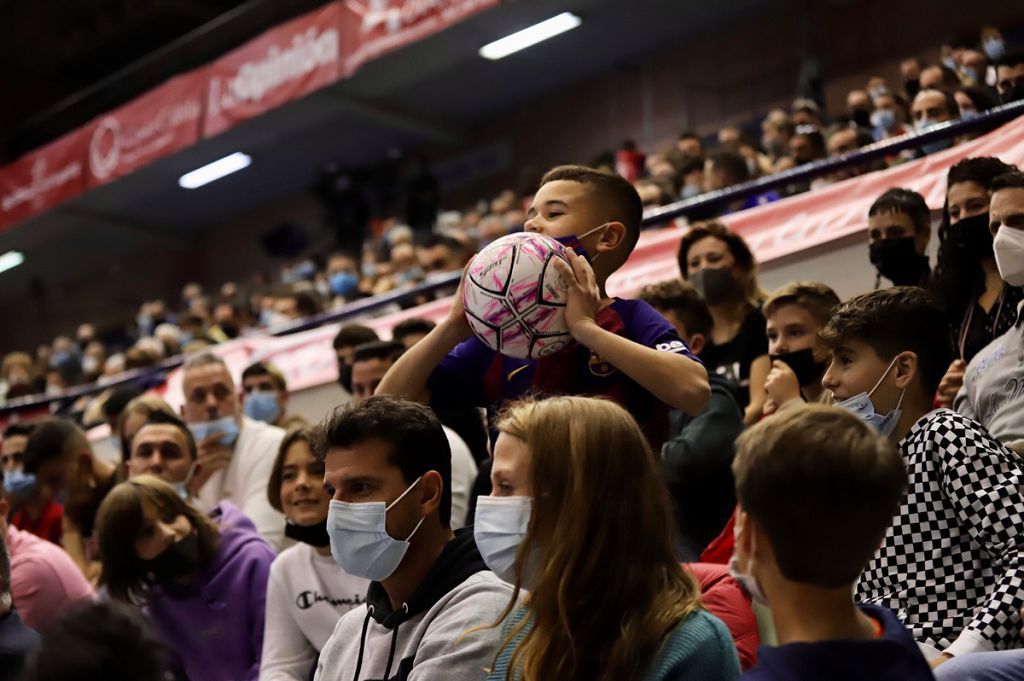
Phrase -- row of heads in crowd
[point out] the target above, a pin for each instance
(970, 79)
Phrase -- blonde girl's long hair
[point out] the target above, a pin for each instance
(607, 588)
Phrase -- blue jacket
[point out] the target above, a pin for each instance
(893, 657)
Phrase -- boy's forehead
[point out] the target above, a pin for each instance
(566, 191)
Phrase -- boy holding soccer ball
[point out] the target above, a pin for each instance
(624, 350)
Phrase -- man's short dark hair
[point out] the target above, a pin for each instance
(732, 164)
(414, 434)
(612, 190)
(161, 418)
(412, 327)
(814, 138)
(19, 430)
(895, 320)
(49, 441)
(100, 640)
(307, 304)
(118, 400)
(818, 471)
(386, 350)
(1012, 180)
(266, 369)
(907, 202)
(680, 298)
(351, 335)
(981, 170)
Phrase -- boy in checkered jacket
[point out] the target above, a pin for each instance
(951, 565)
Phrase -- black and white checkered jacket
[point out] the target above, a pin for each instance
(951, 566)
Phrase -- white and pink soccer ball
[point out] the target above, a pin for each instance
(515, 298)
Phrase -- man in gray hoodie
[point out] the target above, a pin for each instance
(388, 468)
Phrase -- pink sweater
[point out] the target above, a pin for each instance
(44, 579)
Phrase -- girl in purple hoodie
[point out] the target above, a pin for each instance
(203, 580)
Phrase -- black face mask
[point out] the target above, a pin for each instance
(177, 561)
(808, 370)
(1014, 93)
(912, 86)
(972, 236)
(314, 535)
(715, 285)
(898, 261)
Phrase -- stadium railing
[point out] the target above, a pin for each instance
(153, 375)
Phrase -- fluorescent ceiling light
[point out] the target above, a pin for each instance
(528, 37)
(214, 171)
(10, 260)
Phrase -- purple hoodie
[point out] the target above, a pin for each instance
(215, 625)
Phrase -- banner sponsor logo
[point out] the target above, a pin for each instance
(42, 179)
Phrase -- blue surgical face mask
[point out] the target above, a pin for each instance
(227, 425)
(937, 145)
(262, 406)
(862, 407)
(499, 527)
(995, 48)
(689, 191)
(20, 484)
(968, 114)
(745, 576)
(883, 119)
(182, 487)
(344, 283)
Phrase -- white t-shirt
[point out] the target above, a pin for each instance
(244, 481)
(463, 477)
(306, 595)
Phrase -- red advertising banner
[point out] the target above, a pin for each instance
(371, 28)
(159, 123)
(42, 179)
(285, 63)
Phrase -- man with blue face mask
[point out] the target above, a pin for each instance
(951, 564)
(236, 453)
(431, 598)
(265, 396)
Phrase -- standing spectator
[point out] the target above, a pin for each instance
(265, 396)
(552, 460)
(235, 452)
(203, 579)
(43, 578)
(966, 556)
(721, 267)
(307, 592)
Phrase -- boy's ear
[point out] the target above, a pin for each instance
(696, 343)
(612, 237)
(906, 369)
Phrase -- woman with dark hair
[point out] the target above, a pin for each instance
(202, 580)
(966, 280)
(307, 592)
(607, 599)
(722, 268)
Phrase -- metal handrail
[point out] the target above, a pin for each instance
(652, 218)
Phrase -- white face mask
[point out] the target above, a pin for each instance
(498, 528)
(360, 542)
(862, 407)
(745, 579)
(1009, 250)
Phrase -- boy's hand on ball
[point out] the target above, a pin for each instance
(456, 320)
(584, 297)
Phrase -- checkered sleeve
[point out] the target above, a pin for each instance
(984, 482)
